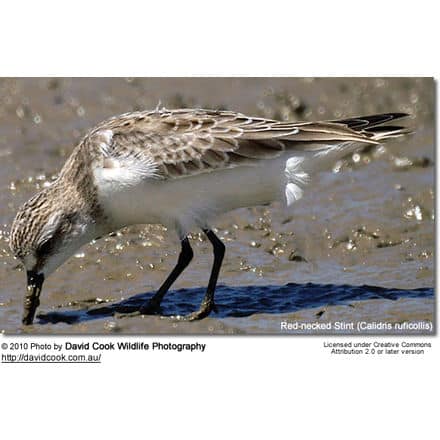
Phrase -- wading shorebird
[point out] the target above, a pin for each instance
(180, 168)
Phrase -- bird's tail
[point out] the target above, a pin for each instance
(373, 125)
(311, 156)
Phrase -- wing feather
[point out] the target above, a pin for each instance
(177, 143)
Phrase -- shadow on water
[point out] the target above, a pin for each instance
(240, 301)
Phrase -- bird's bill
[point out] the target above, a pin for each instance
(32, 297)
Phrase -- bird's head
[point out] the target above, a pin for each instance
(44, 234)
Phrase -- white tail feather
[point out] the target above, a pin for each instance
(296, 177)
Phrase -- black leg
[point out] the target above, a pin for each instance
(208, 301)
(185, 257)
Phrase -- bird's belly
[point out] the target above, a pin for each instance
(193, 201)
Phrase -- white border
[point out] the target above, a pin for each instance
(264, 387)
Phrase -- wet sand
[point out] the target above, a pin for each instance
(369, 221)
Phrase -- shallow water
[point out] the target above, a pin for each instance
(368, 222)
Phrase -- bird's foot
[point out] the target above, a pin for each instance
(205, 309)
(147, 309)
(150, 308)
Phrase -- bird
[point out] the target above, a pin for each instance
(181, 168)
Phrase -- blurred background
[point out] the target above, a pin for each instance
(368, 221)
